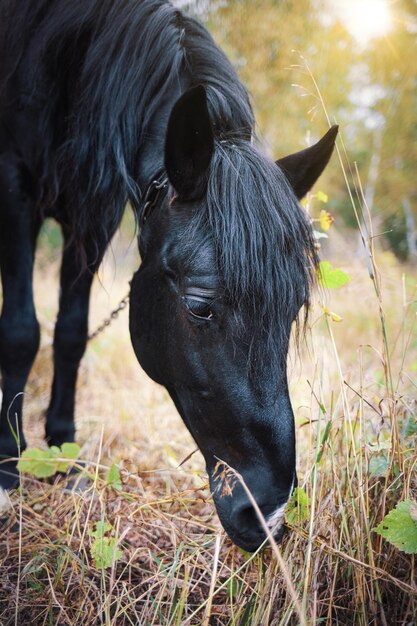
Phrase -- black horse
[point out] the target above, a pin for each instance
(108, 101)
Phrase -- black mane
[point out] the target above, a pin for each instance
(120, 61)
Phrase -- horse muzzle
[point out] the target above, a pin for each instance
(248, 526)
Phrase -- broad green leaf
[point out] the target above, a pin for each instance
(378, 465)
(44, 463)
(331, 278)
(54, 452)
(37, 462)
(68, 451)
(298, 507)
(113, 478)
(103, 549)
(100, 530)
(399, 528)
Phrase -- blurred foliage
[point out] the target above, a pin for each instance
(283, 49)
(50, 235)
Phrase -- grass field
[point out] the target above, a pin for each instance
(170, 562)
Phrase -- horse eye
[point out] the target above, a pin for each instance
(199, 308)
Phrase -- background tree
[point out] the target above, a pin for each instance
(369, 86)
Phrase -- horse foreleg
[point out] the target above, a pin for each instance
(19, 328)
(70, 340)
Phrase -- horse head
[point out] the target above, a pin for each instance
(228, 259)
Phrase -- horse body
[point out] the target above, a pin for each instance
(97, 98)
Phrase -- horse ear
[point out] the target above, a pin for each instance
(189, 144)
(303, 168)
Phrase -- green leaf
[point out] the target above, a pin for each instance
(113, 478)
(297, 510)
(323, 441)
(331, 278)
(411, 426)
(44, 463)
(68, 451)
(378, 465)
(37, 462)
(101, 529)
(232, 587)
(399, 527)
(103, 549)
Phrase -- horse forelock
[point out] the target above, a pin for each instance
(265, 247)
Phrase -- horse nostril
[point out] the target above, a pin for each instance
(250, 527)
(245, 518)
(246, 522)
(249, 530)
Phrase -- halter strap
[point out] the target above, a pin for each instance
(153, 193)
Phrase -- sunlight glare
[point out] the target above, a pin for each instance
(364, 19)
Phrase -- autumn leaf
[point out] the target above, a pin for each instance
(326, 219)
(334, 316)
(322, 197)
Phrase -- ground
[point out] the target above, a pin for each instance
(163, 557)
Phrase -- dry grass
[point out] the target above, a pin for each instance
(353, 402)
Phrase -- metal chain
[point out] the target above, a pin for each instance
(113, 315)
